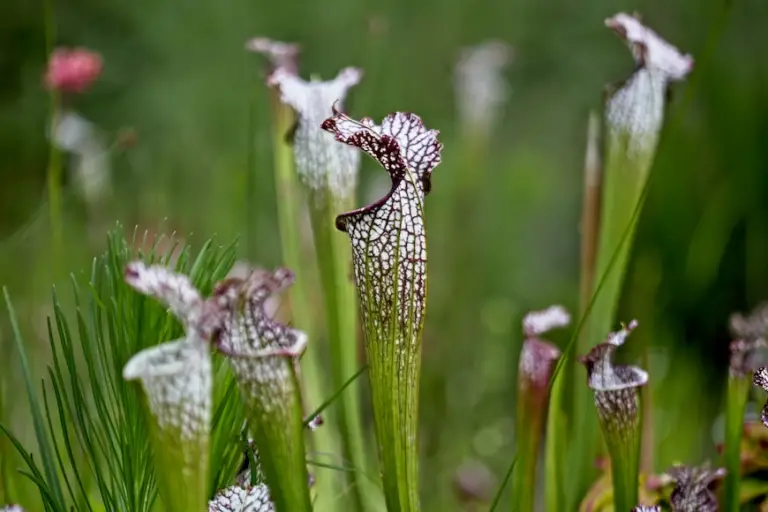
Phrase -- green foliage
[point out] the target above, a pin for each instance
(92, 438)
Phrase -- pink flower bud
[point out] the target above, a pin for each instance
(72, 70)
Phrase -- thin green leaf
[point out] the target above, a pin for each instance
(500, 491)
(333, 397)
(42, 440)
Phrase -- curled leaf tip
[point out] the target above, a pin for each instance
(603, 375)
(537, 323)
(178, 294)
(279, 54)
(322, 164)
(158, 281)
(406, 149)
(388, 236)
(242, 499)
(636, 109)
(248, 328)
(693, 488)
(760, 379)
(648, 48)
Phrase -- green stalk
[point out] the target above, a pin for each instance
(555, 445)
(616, 396)
(536, 365)
(288, 210)
(334, 258)
(279, 434)
(736, 402)
(395, 406)
(624, 449)
(54, 172)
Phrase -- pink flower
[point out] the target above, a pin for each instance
(72, 70)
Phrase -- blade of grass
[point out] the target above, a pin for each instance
(736, 402)
(54, 173)
(500, 491)
(344, 469)
(46, 451)
(333, 397)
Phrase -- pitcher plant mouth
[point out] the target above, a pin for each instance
(422, 151)
(389, 233)
(323, 166)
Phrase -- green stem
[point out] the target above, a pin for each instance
(394, 358)
(54, 172)
(531, 407)
(622, 433)
(395, 408)
(555, 446)
(736, 402)
(288, 210)
(334, 257)
(624, 472)
(283, 457)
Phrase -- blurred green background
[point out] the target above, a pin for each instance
(177, 76)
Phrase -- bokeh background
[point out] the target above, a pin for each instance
(185, 112)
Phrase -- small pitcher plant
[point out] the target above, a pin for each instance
(749, 339)
(617, 398)
(535, 368)
(178, 382)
